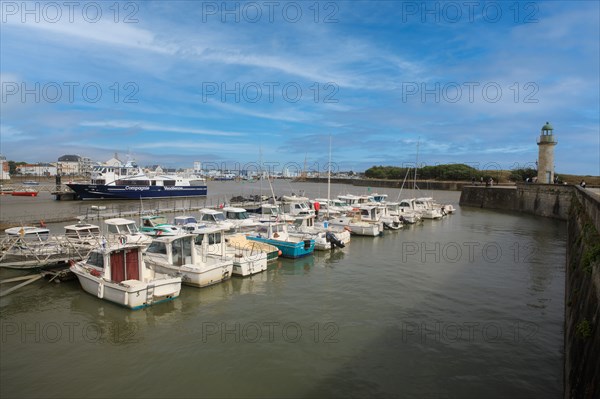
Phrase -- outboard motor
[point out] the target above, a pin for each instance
(306, 244)
(333, 240)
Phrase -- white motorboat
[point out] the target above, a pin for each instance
(325, 236)
(213, 217)
(297, 206)
(118, 273)
(354, 200)
(356, 226)
(181, 254)
(83, 233)
(29, 233)
(428, 211)
(156, 225)
(331, 207)
(404, 213)
(240, 241)
(28, 247)
(125, 231)
(246, 261)
(377, 213)
(239, 218)
(272, 213)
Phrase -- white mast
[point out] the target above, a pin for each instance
(329, 179)
(416, 163)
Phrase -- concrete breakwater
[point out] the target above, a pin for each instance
(581, 209)
(549, 200)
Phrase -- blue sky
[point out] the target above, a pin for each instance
(222, 83)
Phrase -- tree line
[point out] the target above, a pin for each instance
(452, 172)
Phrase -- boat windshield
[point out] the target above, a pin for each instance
(237, 215)
(219, 217)
(269, 210)
(96, 259)
(213, 238)
(157, 247)
(132, 228)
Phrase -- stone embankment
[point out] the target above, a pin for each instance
(581, 209)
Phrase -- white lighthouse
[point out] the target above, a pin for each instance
(546, 145)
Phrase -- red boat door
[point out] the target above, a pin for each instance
(132, 264)
(124, 265)
(117, 266)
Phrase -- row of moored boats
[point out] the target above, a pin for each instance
(139, 266)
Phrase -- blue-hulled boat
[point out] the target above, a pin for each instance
(131, 182)
(291, 245)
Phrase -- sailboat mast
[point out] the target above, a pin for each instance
(416, 163)
(260, 168)
(329, 179)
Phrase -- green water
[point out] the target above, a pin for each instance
(468, 306)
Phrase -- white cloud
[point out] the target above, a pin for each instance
(123, 124)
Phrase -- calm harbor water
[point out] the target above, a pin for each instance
(468, 306)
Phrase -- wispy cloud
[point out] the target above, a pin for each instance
(122, 124)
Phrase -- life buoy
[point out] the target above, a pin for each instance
(122, 240)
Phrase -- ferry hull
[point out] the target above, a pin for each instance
(94, 191)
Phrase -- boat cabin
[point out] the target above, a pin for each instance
(184, 220)
(117, 264)
(29, 233)
(82, 231)
(232, 213)
(121, 226)
(353, 200)
(378, 197)
(213, 216)
(370, 213)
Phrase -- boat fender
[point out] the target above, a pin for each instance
(279, 253)
(348, 229)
